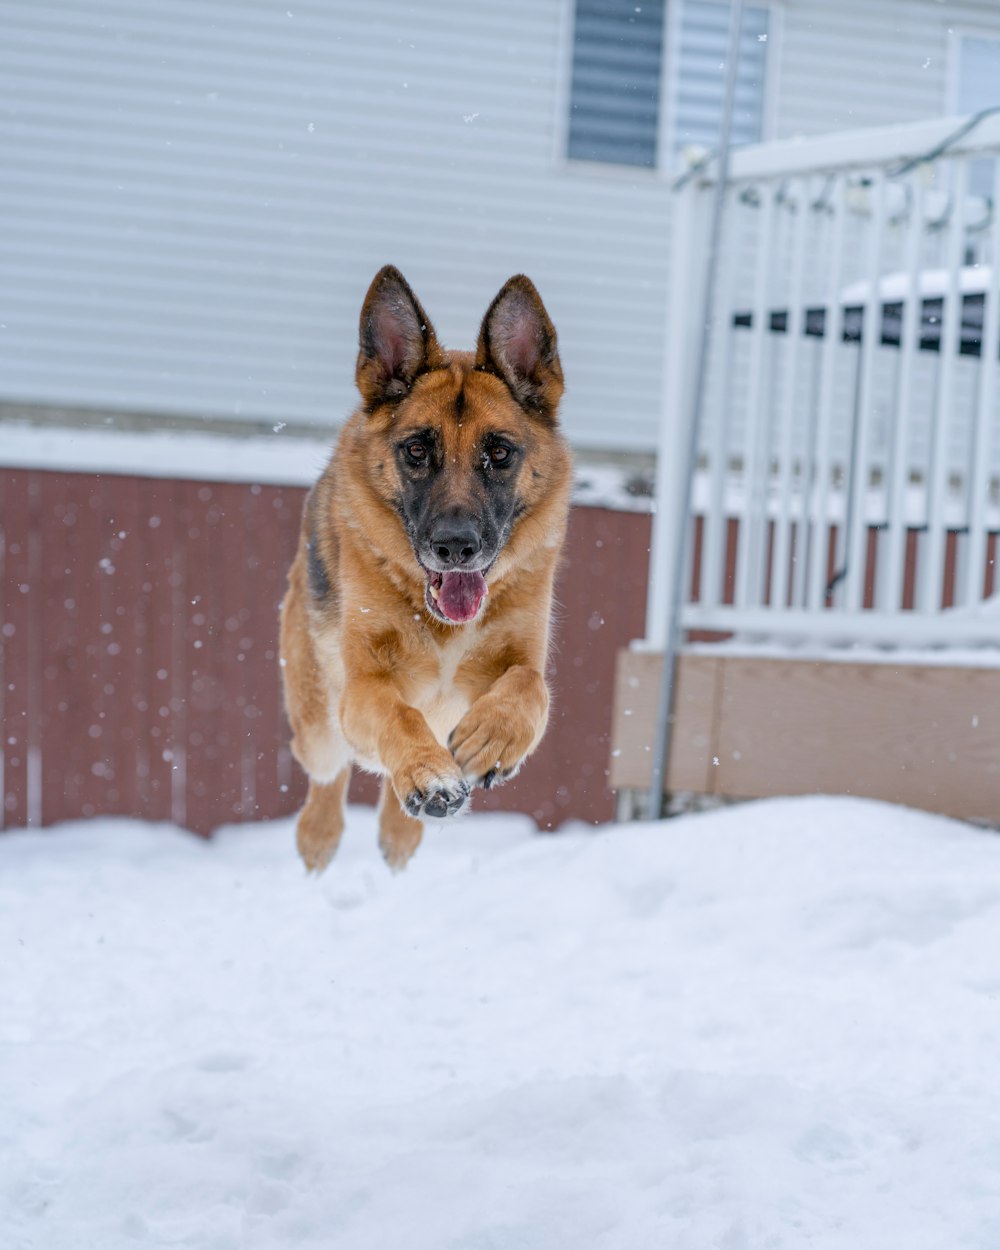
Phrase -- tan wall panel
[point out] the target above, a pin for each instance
(920, 735)
(637, 686)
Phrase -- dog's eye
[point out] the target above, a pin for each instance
(499, 454)
(417, 452)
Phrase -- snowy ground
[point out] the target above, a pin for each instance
(773, 1026)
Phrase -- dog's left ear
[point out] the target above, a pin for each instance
(517, 341)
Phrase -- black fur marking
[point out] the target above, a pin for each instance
(319, 580)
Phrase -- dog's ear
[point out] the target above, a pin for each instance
(396, 341)
(517, 341)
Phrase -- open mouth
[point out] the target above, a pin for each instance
(455, 597)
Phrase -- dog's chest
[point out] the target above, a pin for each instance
(439, 698)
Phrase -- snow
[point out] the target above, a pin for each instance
(811, 651)
(269, 460)
(931, 283)
(775, 1025)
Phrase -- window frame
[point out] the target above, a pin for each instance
(953, 59)
(953, 64)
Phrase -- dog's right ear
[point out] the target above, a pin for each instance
(396, 341)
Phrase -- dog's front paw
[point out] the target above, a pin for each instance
(491, 741)
(433, 796)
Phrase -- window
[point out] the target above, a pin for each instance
(616, 93)
(701, 76)
(977, 87)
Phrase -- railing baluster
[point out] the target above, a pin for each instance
(931, 583)
(800, 571)
(823, 459)
(981, 460)
(856, 546)
(749, 579)
(680, 346)
(714, 528)
(786, 416)
(800, 487)
(890, 584)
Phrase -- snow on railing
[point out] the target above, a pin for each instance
(849, 478)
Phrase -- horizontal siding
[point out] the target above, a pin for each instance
(857, 63)
(198, 196)
(195, 196)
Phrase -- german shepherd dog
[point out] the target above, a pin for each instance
(416, 624)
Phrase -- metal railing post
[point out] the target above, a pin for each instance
(671, 612)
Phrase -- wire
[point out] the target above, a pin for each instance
(694, 170)
(949, 141)
(931, 154)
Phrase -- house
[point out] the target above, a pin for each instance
(195, 198)
(197, 195)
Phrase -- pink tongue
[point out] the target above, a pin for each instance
(460, 595)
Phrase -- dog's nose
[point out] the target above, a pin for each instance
(456, 543)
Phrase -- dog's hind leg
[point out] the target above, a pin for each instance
(398, 834)
(321, 821)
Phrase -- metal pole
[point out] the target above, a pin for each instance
(668, 682)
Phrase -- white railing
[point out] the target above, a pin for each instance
(848, 486)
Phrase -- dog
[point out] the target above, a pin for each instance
(415, 628)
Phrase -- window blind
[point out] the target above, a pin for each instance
(701, 78)
(615, 90)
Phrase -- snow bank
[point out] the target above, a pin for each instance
(771, 1026)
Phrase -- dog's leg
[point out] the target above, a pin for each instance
(398, 834)
(379, 724)
(321, 821)
(502, 727)
(326, 757)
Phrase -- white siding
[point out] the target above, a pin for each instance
(849, 63)
(195, 193)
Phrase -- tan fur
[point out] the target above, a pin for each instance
(398, 834)
(370, 675)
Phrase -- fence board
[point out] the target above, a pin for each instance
(285, 519)
(156, 589)
(208, 773)
(229, 558)
(263, 582)
(121, 593)
(600, 597)
(92, 567)
(15, 627)
(61, 757)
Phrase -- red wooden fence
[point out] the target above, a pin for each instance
(138, 669)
